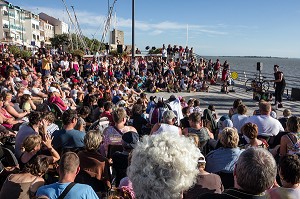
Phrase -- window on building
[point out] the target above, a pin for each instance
(34, 36)
(38, 37)
(33, 26)
(37, 27)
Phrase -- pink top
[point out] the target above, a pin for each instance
(56, 100)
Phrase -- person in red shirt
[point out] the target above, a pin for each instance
(55, 98)
(107, 113)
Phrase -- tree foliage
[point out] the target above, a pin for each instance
(58, 40)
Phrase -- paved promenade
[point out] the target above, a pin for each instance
(223, 102)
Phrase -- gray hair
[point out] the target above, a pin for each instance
(163, 166)
(255, 170)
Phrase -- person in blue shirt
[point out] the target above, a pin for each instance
(68, 170)
(68, 138)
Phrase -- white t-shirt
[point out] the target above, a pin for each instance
(267, 126)
(64, 65)
(164, 53)
(238, 121)
(167, 128)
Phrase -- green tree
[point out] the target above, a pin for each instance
(62, 39)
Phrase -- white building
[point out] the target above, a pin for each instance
(46, 31)
(60, 27)
(12, 23)
(32, 26)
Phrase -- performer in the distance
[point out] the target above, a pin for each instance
(279, 85)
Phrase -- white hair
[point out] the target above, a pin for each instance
(163, 165)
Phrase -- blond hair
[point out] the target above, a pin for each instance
(229, 137)
(31, 142)
(92, 140)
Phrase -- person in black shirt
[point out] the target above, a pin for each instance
(279, 84)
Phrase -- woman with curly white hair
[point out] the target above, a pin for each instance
(163, 166)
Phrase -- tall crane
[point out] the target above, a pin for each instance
(79, 33)
(107, 23)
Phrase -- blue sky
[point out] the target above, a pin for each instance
(216, 27)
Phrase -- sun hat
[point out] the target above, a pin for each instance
(53, 89)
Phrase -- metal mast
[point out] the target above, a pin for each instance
(107, 23)
(76, 28)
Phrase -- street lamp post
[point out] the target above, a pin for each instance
(132, 48)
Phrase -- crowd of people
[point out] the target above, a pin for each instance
(81, 128)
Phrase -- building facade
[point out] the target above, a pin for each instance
(32, 25)
(12, 23)
(60, 27)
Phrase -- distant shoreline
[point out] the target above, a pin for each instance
(253, 57)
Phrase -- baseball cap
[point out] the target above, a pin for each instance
(27, 92)
(130, 140)
(53, 89)
(201, 159)
(169, 115)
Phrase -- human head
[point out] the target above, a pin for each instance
(84, 111)
(195, 118)
(289, 169)
(137, 109)
(186, 111)
(293, 124)
(49, 116)
(69, 117)
(31, 143)
(130, 140)
(287, 112)
(265, 108)
(169, 117)
(69, 164)
(92, 140)
(155, 173)
(37, 167)
(35, 118)
(119, 115)
(107, 106)
(242, 109)
(236, 103)
(255, 170)
(276, 68)
(250, 130)
(229, 137)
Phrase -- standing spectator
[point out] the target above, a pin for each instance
(68, 170)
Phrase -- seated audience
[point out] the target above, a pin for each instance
(168, 124)
(68, 138)
(25, 184)
(289, 172)
(205, 182)
(68, 170)
(254, 173)
(224, 158)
